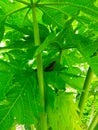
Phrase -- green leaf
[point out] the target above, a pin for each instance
(96, 127)
(88, 49)
(47, 41)
(61, 116)
(67, 38)
(75, 82)
(52, 16)
(43, 31)
(22, 101)
(19, 21)
(56, 81)
(50, 97)
(87, 6)
(6, 75)
(8, 6)
(69, 35)
(5, 82)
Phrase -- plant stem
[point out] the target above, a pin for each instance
(85, 92)
(39, 68)
(38, 57)
(94, 122)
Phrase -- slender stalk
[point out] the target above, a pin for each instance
(39, 68)
(85, 92)
(94, 122)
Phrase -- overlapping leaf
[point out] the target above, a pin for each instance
(22, 102)
(6, 75)
(7, 6)
(61, 116)
(59, 82)
(89, 48)
(63, 9)
(19, 96)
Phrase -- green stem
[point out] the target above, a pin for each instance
(94, 122)
(93, 108)
(39, 68)
(38, 57)
(85, 92)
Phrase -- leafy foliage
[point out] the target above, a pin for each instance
(68, 33)
(64, 113)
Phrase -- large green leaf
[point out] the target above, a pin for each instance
(56, 12)
(22, 103)
(61, 116)
(50, 96)
(52, 16)
(87, 6)
(73, 25)
(6, 75)
(8, 6)
(88, 49)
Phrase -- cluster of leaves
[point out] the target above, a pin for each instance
(69, 39)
